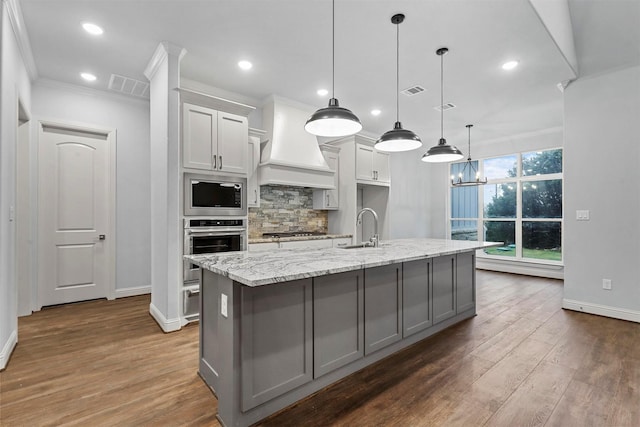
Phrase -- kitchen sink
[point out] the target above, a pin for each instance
(361, 245)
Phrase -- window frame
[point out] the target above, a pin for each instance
(519, 179)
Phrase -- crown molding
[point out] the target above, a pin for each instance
(22, 38)
(88, 91)
(163, 50)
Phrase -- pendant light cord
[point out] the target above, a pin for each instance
(397, 72)
(442, 96)
(333, 49)
(469, 158)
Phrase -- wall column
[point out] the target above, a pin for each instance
(163, 73)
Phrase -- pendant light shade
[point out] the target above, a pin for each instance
(442, 152)
(473, 174)
(398, 139)
(333, 121)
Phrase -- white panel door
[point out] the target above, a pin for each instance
(74, 205)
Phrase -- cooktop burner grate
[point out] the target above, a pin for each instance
(294, 234)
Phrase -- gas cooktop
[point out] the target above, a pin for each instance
(294, 234)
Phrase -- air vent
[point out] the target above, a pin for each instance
(445, 107)
(413, 90)
(129, 86)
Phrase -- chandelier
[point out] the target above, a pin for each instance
(462, 180)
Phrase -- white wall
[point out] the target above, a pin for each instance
(14, 84)
(130, 118)
(602, 174)
(411, 198)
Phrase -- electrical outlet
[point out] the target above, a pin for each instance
(606, 284)
(223, 305)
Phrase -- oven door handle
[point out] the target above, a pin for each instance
(214, 232)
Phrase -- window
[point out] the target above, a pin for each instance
(521, 206)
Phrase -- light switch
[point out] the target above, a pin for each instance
(582, 215)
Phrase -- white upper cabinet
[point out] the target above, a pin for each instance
(372, 166)
(329, 199)
(214, 140)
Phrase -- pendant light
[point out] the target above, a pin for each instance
(398, 139)
(334, 120)
(442, 152)
(476, 180)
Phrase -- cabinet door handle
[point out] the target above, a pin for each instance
(328, 199)
(214, 161)
(255, 192)
(220, 163)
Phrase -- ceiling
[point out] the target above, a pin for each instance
(289, 44)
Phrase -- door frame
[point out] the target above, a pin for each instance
(111, 140)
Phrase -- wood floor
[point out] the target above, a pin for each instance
(523, 361)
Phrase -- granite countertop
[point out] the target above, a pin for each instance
(293, 239)
(282, 265)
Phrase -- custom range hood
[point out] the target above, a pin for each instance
(291, 156)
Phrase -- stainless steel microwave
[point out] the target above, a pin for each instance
(207, 195)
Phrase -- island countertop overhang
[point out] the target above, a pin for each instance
(283, 265)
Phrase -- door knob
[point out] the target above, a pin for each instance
(102, 236)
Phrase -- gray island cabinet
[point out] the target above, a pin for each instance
(278, 326)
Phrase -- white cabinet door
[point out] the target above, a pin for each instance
(332, 195)
(329, 199)
(372, 166)
(364, 162)
(322, 243)
(253, 189)
(213, 140)
(381, 167)
(233, 131)
(200, 134)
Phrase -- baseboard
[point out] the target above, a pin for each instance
(8, 349)
(167, 325)
(602, 310)
(132, 292)
(521, 267)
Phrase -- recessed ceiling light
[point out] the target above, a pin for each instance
(510, 65)
(245, 65)
(375, 112)
(88, 77)
(92, 28)
(322, 92)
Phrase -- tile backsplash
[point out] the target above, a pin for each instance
(284, 208)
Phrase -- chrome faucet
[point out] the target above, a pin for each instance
(373, 241)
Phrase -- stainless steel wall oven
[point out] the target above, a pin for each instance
(205, 236)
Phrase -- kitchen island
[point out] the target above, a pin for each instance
(280, 325)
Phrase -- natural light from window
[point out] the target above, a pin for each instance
(521, 206)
